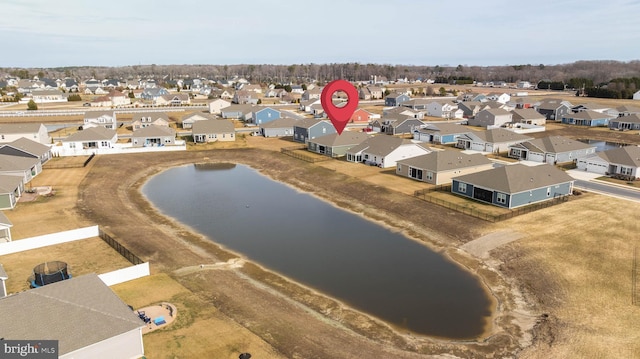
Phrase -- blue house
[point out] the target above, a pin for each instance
(309, 129)
(396, 99)
(514, 185)
(587, 118)
(264, 115)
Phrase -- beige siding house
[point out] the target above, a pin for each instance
(153, 136)
(213, 130)
(439, 167)
(10, 132)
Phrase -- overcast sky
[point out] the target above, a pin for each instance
(45, 33)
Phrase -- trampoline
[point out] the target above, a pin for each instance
(49, 272)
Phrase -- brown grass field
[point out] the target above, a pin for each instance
(564, 289)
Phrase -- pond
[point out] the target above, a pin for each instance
(602, 145)
(358, 262)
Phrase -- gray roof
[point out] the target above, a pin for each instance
(282, 122)
(7, 128)
(626, 108)
(244, 108)
(380, 145)
(308, 122)
(552, 104)
(635, 118)
(198, 116)
(526, 114)
(499, 135)
(5, 221)
(137, 116)
(77, 312)
(517, 178)
(627, 155)
(154, 131)
(212, 126)
(96, 114)
(446, 128)
(29, 146)
(588, 115)
(97, 133)
(9, 184)
(496, 112)
(446, 160)
(9, 163)
(347, 138)
(558, 144)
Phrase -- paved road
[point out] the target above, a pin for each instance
(608, 190)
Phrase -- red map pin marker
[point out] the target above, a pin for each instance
(339, 116)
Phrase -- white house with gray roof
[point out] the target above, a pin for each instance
(92, 138)
(10, 132)
(24, 167)
(385, 151)
(106, 119)
(153, 136)
(529, 116)
(491, 118)
(278, 128)
(5, 236)
(623, 161)
(552, 149)
(213, 130)
(492, 141)
(439, 167)
(82, 313)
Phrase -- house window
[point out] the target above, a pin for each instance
(104, 143)
(501, 198)
(625, 170)
(324, 130)
(429, 176)
(462, 187)
(548, 191)
(399, 168)
(72, 145)
(415, 173)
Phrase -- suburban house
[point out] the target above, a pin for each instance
(587, 118)
(5, 236)
(264, 115)
(106, 119)
(514, 185)
(471, 108)
(500, 97)
(188, 120)
(217, 105)
(306, 106)
(278, 128)
(86, 317)
(240, 112)
(309, 129)
(400, 126)
(441, 133)
(10, 132)
(395, 99)
(624, 161)
(528, 116)
(370, 93)
(47, 96)
(11, 188)
(402, 111)
(24, 147)
(493, 141)
(153, 93)
(552, 149)
(146, 119)
(627, 122)
(23, 167)
(361, 116)
(625, 110)
(92, 138)
(213, 130)
(636, 95)
(334, 145)
(446, 109)
(153, 136)
(554, 109)
(385, 151)
(439, 167)
(279, 93)
(179, 99)
(312, 94)
(494, 117)
(594, 107)
(416, 103)
(318, 111)
(116, 98)
(245, 97)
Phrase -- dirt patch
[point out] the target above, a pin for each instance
(482, 246)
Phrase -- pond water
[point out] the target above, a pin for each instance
(362, 264)
(603, 145)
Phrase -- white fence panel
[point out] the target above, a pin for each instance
(48, 240)
(125, 274)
